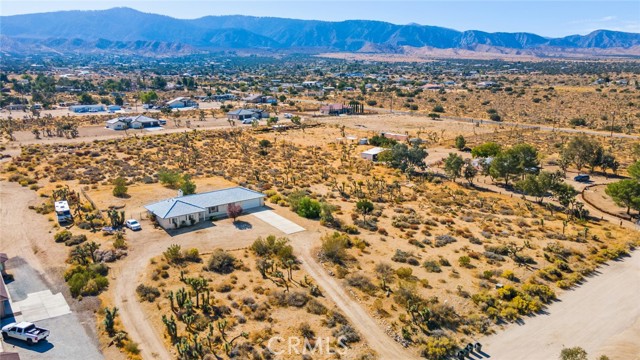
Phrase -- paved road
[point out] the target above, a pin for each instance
(68, 339)
(602, 316)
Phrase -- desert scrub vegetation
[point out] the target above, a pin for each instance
(268, 296)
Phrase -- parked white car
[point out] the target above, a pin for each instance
(25, 331)
(133, 224)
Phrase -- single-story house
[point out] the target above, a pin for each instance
(86, 108)
(132, 122)
(397, 137)
(260, 99)
(336, 109)
(16, 107)
(372, 154)
(192, 209)
(4, 295)
(182, 102)
(242, 114)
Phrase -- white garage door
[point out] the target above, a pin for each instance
(250, 204)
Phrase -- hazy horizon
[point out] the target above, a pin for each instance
(545, 18)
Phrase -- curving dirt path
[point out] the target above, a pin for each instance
(127, 273)
(378, 340)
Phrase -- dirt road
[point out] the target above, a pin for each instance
(126, 275)
(383, 344)
(602, 316)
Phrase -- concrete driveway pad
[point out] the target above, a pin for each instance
(286, 226)
(41, 305)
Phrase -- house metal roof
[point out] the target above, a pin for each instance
(241, 112)
(191, 204)
(374, 151)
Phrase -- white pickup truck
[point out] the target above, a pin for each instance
(25, 331)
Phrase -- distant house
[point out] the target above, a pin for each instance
(486, 84)
(191, 209)
(243, 114)
(432, 87)
(86, 108)
(254, 99)
(372, 154)
(132, 122)
(222, 97)
(15, 107)
(114, 108)
(397, 137)
(182, 102)
(335, 109)
(260, 99)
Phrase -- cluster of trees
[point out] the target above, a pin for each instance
(516, 161)
(626, 193)
(175, 180)
(405, 158)
(583, 151)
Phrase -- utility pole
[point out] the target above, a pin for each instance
(613, 116)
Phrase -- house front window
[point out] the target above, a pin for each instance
(213, 209)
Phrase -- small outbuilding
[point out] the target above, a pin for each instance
(192, 209)
(372, 154)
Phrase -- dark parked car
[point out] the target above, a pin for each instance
(581, 178)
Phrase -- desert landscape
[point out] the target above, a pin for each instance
(389, 202)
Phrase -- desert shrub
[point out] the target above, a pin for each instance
(86, 281)
(315, 307)
(308, 208)
(306, 331)
(350, 229)
(334, 247)
(76, 240)
(361, 282)
(132, 348)
(346, 334)
(297, 299)
(192, 255)
(62, 236)
(221, 262)
(148, 293)
(574, 353)
(543, 292)
(439, 348)
(173, 254)
(120, 187)
(493, 256)
(334, 318)
(442, 240)
(432, 266)
(402, 256)
(404, 273)
(464, 261)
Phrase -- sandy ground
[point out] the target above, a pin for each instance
(602, 316)
(126, 273)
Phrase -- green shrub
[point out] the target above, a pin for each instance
(148, 293)
(221, 262)
(62, 236)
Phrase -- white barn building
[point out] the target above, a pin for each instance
(191, 209)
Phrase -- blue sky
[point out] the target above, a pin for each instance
(543, 17)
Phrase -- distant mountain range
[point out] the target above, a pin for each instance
(125, 30)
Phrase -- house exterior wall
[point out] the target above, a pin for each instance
(117, 126)
(221, 212)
